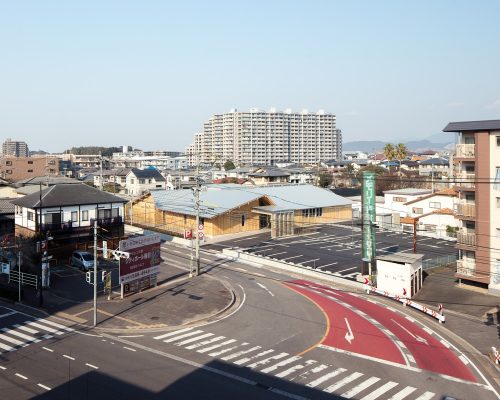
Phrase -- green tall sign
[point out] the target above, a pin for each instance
(368, 209)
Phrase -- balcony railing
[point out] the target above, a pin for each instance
(57, 227)
(465, 150)
(466, 238)
(114, 221)
(466, 268)
(466, 209)
(466, 180)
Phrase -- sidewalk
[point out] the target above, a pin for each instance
(177, 300)
(470, 312)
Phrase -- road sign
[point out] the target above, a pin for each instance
(104, 249)
(201, 235)
(201, 227)
(188, 234)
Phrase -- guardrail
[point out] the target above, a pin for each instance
(409, 303)
(438, 262)
(26, 279)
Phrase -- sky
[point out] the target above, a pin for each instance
(149, 73)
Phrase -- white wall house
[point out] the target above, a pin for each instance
(395, 200)
(140, 181)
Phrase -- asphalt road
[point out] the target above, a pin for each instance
(285, 338)
(336, 248)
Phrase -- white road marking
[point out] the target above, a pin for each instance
(290, 258)
(205, 342)
(26, 329)
(69, 357)
(5, 347)
(426, 396)
(416, 337)
(464, 359)
(43, 386)
(344, 270)
(325, 377)
(280, 364)
(216, 346)
(12, 340)
(315, 370)
(172, 333)
(275, 254)
(240, 269)
(359, 388)
(349, 336)
(175, 338)
(191, 340)
(295, 368)
(327, 265)
(21, 335)
(240, 353)
(380, 391)
(403, 393)
(247, 359)
(7, 314)
(46, 348)
(91, 366)
(2, 368)
(343, 382)
(129, 348)
(411, 358)
(308, 261)
(445, 343)
(131, 336)
(47, 321)
(43, 327)
(20, 376)
(265, 288)
(265, 361)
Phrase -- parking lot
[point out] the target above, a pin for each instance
(336, 248)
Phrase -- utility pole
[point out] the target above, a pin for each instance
(100, 168)
(19, 272)
(95, 272)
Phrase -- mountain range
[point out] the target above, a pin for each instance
(435, 142)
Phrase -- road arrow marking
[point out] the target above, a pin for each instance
(349, 335)
(416, 337)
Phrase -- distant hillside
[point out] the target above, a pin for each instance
(377, 145)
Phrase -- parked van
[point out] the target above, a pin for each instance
(82, 259)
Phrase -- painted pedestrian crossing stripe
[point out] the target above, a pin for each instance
(328, 378)
(31, 330)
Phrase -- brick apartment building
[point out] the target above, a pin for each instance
(18, 168)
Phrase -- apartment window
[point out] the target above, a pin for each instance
(85, 215)
(52, 162)
(31, 216)
(496, 185)
(417, 210)
(498, 202)
(434, 204)
(132, 181)
(243, 220)
(9, 171)
(30, 162)
(8, 162)
(30, 170)
(74, 216)
(399, 199)
(498, 141)
(19, 210)
(141, 181)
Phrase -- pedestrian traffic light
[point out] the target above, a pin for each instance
(89, 276)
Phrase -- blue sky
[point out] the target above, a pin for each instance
(149, 73)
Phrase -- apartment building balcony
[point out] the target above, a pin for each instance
(466, 268)
(465, 151)
(465, 180)
(467, 210)
(466, 238)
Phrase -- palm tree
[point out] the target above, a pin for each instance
(389, 153)
(400, 152)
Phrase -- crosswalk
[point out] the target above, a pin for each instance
(28, 331)
(328, 378)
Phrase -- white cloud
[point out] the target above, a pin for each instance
(494, 106)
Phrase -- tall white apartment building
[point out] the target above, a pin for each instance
(15, 148)
(265, 138)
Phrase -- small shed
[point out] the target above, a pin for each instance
(400, 273)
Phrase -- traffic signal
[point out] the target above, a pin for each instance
(89, 277)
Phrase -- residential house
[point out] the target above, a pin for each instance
(140, 181)
(68, 212)
(434, 167)
(266, 176)
(395, 200)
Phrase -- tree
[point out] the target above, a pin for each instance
(389, 153)
(325, 180)
(229, 165)
(400, 152)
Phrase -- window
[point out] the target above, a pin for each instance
(9, 171)
(430, 228)
(498, 233)
(52, 162)
(417, 210)
(8, 162)
(399, 199)
(85, 215)
(30, 162)
(142, 181)
(115, 212)
(132, 181)
(31, 216)
(74, 216)
(434, 204)
(30, 170)
(19, 210)
(243, 220)
(496, 185)
(498, 202)
(498, 141)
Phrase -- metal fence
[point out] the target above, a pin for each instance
(26, 279)
(439, 261)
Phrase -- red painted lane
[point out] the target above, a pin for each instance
(368, 339)
(429, 352)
